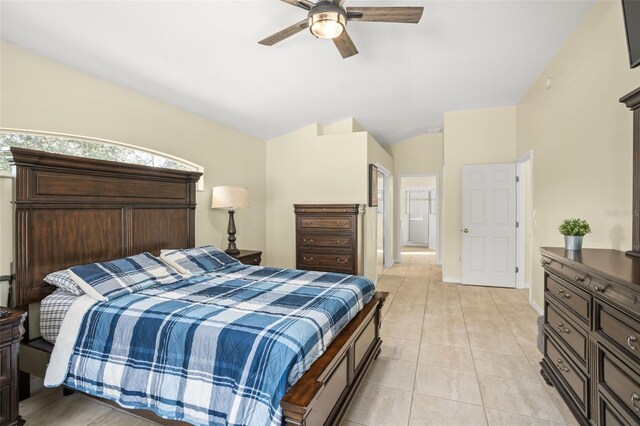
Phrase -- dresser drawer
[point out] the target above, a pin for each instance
(567, 331)
(567, 272)
(5, 404)
(326, 223)
(318, 261)
(619, 328)
(621, 381)
(568, 373)
(5, 365)
(569, 295)
(609, 414)
(326, 241)
(617, 294)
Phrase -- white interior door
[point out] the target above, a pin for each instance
(489, 225)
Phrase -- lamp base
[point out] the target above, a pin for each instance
(231, 230)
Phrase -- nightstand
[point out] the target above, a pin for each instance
(249, 257)
(11, 331)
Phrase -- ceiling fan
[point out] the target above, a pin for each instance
(328, 19)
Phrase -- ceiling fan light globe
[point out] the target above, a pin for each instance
(327, 24)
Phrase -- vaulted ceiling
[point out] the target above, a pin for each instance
(203, 56)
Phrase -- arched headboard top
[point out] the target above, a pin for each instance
(72, 210)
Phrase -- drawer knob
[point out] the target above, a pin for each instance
(635, 398)
(563, 329)
(563, 294)
(307, 259)
(601, 289)
(561, 366)
(341, 261)
(579, 278)
(545, 262)
(631, 340)
(341, 222)
(343, 242)
(304, 240)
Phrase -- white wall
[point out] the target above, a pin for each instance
(470, 137)
(581, 137)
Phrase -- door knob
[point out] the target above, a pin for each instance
(465, 230)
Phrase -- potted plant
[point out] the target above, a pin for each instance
(574, 230)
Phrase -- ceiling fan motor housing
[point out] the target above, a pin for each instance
(326, 14)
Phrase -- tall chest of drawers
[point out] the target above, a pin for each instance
(592, 333)
(329, 237)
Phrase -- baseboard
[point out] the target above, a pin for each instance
(451, 280)
(535, 306)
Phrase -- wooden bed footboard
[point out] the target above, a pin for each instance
(323, 394)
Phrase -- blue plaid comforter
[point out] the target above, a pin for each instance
(221, 348)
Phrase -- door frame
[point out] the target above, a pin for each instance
(524, 237)
(386, 226)
(439, 199)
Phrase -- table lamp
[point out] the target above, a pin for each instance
(230, 198)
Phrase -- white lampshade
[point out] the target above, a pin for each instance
(230, 197)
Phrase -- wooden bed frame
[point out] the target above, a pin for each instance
(71, 210)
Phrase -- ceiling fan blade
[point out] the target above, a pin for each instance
(403, 15)
(287, 32)
(345, 45)
(305, 4)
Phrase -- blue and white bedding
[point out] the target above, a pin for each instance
(197, 260)
(220, 348)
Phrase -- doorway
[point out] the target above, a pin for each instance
(417, 212)
(384, 258)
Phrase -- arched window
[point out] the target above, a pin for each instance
(100, 149)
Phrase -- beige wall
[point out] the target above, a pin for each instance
(376, 155)
(39, 94)
(319, 164)
(581, 137)
(306, 166)
(422, 154)
(470, 137)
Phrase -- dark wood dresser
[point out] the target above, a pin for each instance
(592, 333)
(329, 237)
(11, 331)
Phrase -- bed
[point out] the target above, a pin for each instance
(72, 211)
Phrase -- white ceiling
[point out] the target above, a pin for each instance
(203, 56)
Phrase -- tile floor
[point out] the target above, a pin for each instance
(452, 355)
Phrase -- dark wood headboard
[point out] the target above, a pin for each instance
(72, 210)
